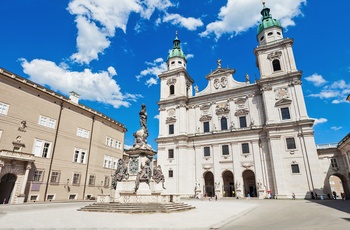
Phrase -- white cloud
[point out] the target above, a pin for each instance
(336, 128)
(337, 91)
(240, 15)
(188, 56)
(154, 69)
(98, 20)
(112, 71)
(320, 121)
(91, 86)
(189, 23)
(316, 79)
(151, 81)
(325, 94)
(156, 117)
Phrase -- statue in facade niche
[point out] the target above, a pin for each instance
(120, 174)
(144, 175)
(158, 175)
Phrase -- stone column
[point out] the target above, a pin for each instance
(2, 163)
(21, 196)
(25, 178)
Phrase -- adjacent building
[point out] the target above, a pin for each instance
(52, 147)
(238, 138)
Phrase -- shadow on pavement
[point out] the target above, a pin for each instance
(341, 205)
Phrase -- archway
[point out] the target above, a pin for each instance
(6, 186)
(249, 183)
(229, 187)
(209, 184)
(338, 186)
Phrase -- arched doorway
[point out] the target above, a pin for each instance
(229, 187)
(338, 187)
(6, 186)
(249, 183)
(209, 184)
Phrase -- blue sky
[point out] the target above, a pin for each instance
(111, 51)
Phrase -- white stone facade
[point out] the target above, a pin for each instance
(235, 138)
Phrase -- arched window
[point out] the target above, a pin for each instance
(172, 90)
(276, 65)
(223, 123)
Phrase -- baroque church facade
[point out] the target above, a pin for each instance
(238, 138)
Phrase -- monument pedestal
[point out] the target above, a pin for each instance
(261, 194)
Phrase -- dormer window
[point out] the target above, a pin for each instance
(269, 34)
(262, 38)
(172, 90)
(278, 33)
(179, 62)
(276, 65)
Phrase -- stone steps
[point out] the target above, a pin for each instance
(136, 207)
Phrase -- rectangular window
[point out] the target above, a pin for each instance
(171, 173)
(243, 122)
(118, 145)
(110, 162)
(170, 153)
(83, 133)
(55, 177)
(206, 127)
(245, 148)
(72, 196)
(42, 148)
(79, 156)
(50, 197)
(106, 182)
(285, 113)
(171, 129)
(76, 179)
(34, 197)
(291, 143)
(47, 122)
(113, 143)
(92, 180)
(38, 175)
(207, 151)
(334, 163)
(225, 150)
(295, 168)
(4, 108)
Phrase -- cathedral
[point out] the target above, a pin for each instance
(239, 138)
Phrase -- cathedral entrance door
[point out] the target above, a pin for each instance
(6, 186)
(249, 183)
(209, 184)
(229, 190)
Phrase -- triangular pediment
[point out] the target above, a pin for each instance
(283, 101)
(220, 71)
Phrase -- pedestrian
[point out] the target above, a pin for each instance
(329, 196)
(216, 197)
(334, 195)
(248, 196)
(293, 196)
(342, 196)
(316, 196)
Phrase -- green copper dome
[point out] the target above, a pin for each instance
(267, 20)
(176, 51)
